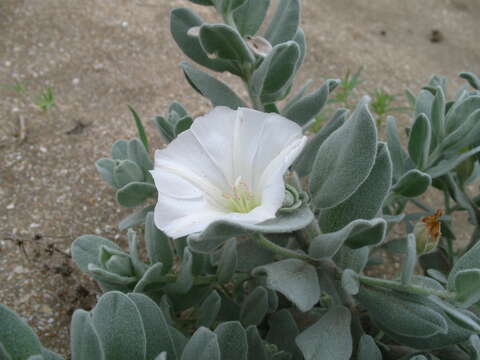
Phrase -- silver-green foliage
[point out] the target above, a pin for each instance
(293, 287)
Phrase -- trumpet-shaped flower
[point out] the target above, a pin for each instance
(228, 166)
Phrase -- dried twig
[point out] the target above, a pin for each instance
(23, 129)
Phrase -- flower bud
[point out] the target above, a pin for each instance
(427, 232)
(119, 265)
(115, 261)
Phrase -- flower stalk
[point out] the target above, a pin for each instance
(412, 289)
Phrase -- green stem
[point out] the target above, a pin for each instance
(204, 279)
(395, 285)
(422, 205)
(287, 253)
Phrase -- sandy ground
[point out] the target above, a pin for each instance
(99, 56)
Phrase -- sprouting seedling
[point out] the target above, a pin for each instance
(346, 87)
(46, 99)
(382, 104)
(17, 87)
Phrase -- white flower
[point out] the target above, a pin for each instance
(228, 166)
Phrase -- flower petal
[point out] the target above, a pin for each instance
(258, 138)
(181, 207)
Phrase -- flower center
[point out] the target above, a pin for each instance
(241, 199)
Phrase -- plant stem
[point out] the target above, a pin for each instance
(203, 279)
(395, 285)
(284, 252)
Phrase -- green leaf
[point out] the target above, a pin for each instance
(419, 141)
(304, 163)
(462, 318)
(299, 38)
(284, 23)
(203, 345)
(276, 72)
(350, 282)
(282, 332)
(367, 200)
(254, 307)
(153, 275)
(344, 160)
(135, 193)
(17, 338)
(472, 79)
(105, 168)
(224, 42)
(467, 287)
(220, 231)
(357, 234)
(423, 103)
(157, 330)
(410, 260)
(460, 111)
(137, 153)
(140, 128)
(355, 259)
(182, 20)
(402, 314)
(184, 280)
(228, 261)
(232, 340)
(209, 309)
(249, 17)
(451, 163)
(329, 338)
(139, 266)
(367, 349)
(309, 106)
(84, 342)
(295, 279)
(119, 150)
(395, 147)
(86, 249)
(216, 91)
(256, 349)
(119, 325)
(111, 281)
(125, 172)
(412, 184)
(5, 356)
(250, 255)
(438, 116)
(466, 134)
(157, 244)
(135, 218)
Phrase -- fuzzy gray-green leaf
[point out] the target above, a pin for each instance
(367, 200)
(254, 307)
(306, 108)
(284, 23)
(17, 338)
(344, 160)
(329, 338)
(412, 184)
(216, 91)
(295, 279)
(157, 244)
(249, 17)
(84, 341)
(135, 193)
(419, 141)
(119, 327)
